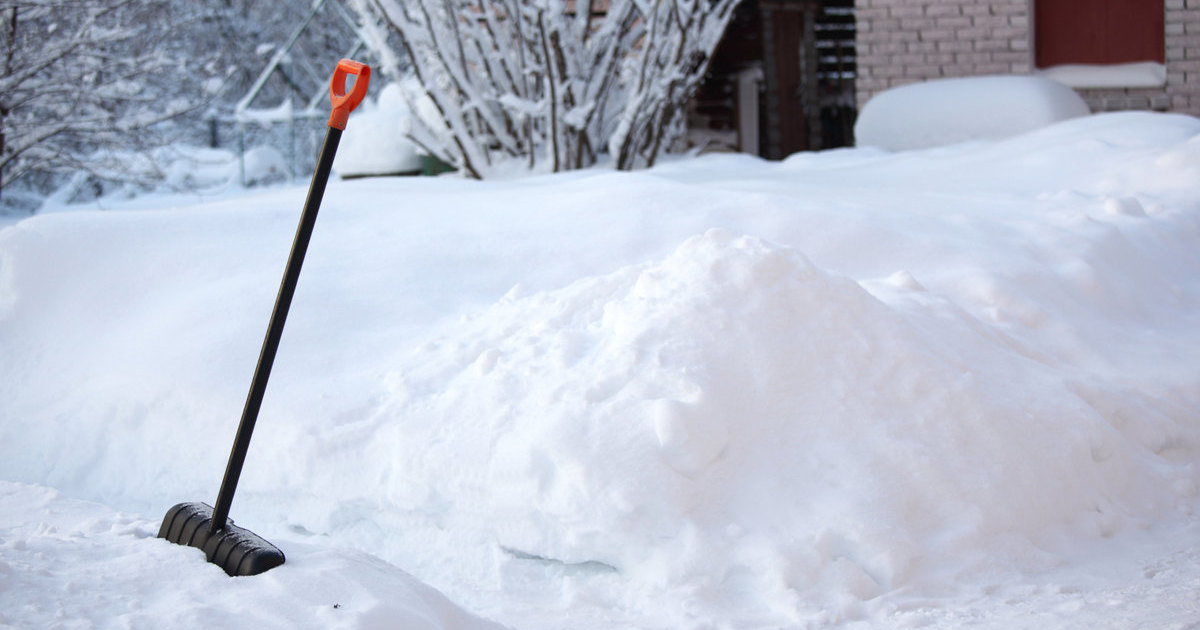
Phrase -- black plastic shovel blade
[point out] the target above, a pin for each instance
(238, 551)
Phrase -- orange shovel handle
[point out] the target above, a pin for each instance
(343, 102)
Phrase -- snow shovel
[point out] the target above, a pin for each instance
(236, 550)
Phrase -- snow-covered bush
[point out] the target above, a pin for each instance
(550, 83)
(375, 142)
(946, 111)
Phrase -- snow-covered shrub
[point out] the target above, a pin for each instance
(550, 83)
(375, 143)
(946, 111)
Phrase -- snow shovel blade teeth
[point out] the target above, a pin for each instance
(236, 550)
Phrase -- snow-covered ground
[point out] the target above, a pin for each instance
(949, 388)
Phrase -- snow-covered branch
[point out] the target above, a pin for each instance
(77, 75)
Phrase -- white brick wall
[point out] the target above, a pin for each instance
(907, 41)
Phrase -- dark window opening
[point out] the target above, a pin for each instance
(1100, 32)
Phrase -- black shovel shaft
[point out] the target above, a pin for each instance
(283, 301)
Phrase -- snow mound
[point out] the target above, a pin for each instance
(265, 165)
(948, 111)
(736, 415)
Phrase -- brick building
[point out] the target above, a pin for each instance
(789, 75)
(1118, 54)
(782, 79)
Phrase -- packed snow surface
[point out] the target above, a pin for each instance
(948, 111)
(951, 388)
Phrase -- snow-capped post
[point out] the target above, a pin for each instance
(549, 84)
(236, 550)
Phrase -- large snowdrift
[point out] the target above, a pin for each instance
(913, 389)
